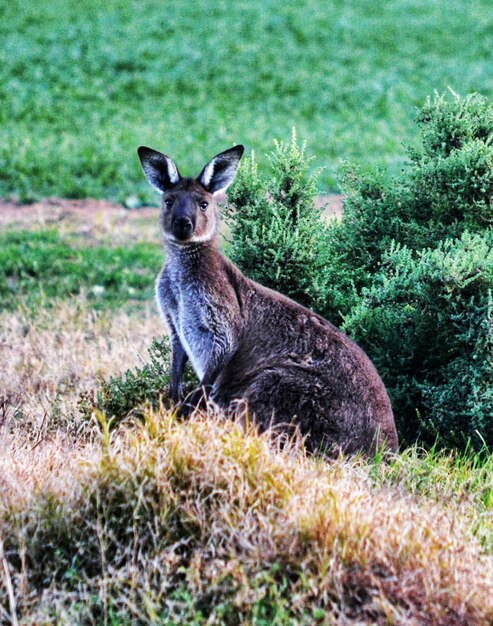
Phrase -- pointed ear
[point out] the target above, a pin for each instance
(159, 169)
(219, 173)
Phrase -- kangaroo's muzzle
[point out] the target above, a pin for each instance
(182, 228)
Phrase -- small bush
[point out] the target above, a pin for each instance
(427, 322)
(277, 232)
(126, 394)
(129, 393)
(445, 189)
(423, 282)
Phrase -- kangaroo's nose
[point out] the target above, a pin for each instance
(182, 227)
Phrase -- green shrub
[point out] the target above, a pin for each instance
(277, 232)
(423, 305)
(445, 189)
(129, 393)
(427, 322)
(407, 271)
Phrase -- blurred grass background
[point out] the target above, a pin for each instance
(83, 83)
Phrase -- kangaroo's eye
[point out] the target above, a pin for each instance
(203, 205)
(168, 203)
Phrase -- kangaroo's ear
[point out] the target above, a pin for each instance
(159, 169)
(219, 173)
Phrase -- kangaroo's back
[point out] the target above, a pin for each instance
(292, 363)
(252, 348)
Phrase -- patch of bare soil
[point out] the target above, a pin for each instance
(332, 204)
(93, 221)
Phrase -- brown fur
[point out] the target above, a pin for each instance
(254, 348)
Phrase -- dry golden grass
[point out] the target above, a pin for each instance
(202, 522)
(239, 523)
(49, 358)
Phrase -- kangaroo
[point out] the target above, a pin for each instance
(251, 346)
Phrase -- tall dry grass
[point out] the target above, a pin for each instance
(48, 358)
(203, 522)
(198, 522)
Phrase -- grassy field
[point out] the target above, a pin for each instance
(200, 522)
(170, 522)
(44, 265)
(82, 84)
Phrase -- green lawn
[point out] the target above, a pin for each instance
(83, 83)
(38, 266)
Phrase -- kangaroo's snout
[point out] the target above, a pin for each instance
(182, 227)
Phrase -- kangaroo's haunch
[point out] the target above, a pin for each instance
(250, 345)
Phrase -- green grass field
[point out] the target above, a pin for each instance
(38, 266)
(82, 84)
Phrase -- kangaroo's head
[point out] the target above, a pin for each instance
(189, 208)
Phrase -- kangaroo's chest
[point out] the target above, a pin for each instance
(196, 320)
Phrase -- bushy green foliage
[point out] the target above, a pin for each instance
(445, 189)
(423, 310)
(37, 264)
(127, 394)
(408, 271)
(276, 230)
(83, 84)
(427, 322)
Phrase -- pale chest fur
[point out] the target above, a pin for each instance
(195, 316)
